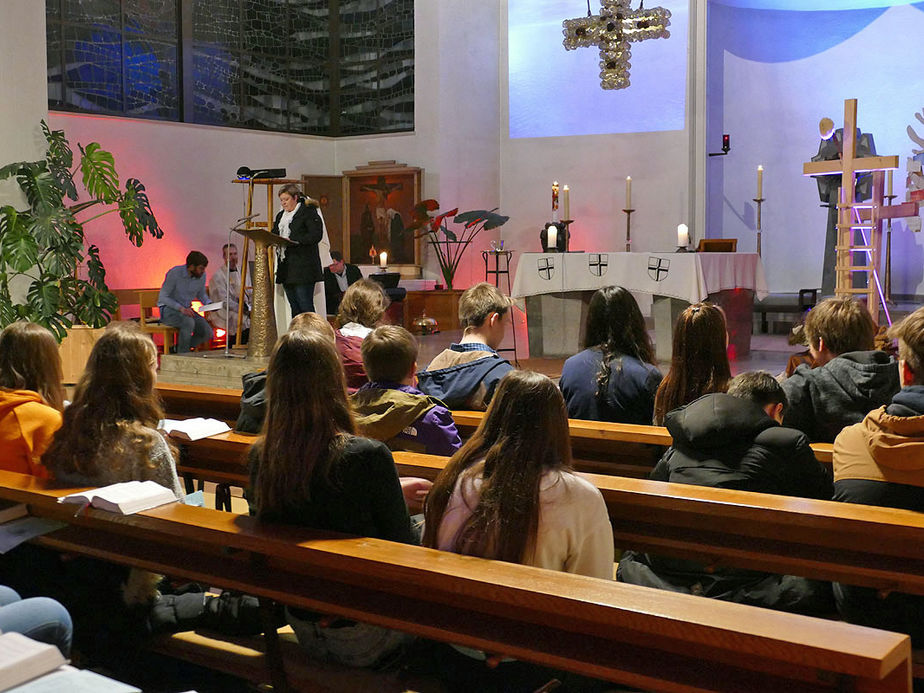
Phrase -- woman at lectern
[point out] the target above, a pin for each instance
(299, 267)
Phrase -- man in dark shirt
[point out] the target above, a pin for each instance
(337, 278)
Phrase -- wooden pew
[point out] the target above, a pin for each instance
(631, 635)
(855, 544)
(600, 447)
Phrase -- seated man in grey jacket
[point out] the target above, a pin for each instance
(849, 379)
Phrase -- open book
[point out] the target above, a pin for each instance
(192, 429)
(127, 498)
(23, 659)
(209, 307)
(10, 510)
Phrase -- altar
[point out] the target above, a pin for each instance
(557, 288)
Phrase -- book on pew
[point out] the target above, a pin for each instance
(23, 659)
(10, 510)
(67, 678)
(192, 429)
(127, 498)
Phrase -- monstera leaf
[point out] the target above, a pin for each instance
(99, 174)
(49, 226)
(490, 219)
(60, 158)
(135, 211)
(18, 248)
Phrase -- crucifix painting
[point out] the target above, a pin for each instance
(379, 202)
(612, 31)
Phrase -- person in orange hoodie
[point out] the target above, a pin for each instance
(31, 396)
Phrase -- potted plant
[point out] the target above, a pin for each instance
(450, 245)
(44, 245)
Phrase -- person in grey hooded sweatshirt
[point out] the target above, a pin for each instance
(849, 379)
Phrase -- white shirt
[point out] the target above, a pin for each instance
(218, 291)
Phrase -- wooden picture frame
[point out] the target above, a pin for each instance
(717, 245)
(328, 191)
(378, 203)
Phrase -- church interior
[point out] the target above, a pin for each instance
(722, 126)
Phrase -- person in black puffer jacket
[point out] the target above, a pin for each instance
(734, 441)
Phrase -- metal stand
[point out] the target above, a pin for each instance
(759, 201)
(628, 229)
(226, 354)
(887, 280)
(497, 272)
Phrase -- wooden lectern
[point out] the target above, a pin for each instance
(262, 316)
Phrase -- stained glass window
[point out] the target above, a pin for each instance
(326, 67)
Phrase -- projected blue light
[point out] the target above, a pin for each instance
(556, 93)
(814, 5)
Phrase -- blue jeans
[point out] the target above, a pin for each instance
(301, 297)
(39, 618)
(192, 331)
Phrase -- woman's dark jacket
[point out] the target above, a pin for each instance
(302, 262)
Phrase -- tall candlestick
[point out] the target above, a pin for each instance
(683, 236)
(760, 182)
(890, 183)
(552, 238)
(566, 201)
(628, 192)
(555, 196)
(383, 259)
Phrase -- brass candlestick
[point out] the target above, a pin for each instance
(628, 229)
(759, 201)
(887, 281)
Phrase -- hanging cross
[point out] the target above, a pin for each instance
(870, 218)
(612, 30)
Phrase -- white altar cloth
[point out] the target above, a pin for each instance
(689, 277)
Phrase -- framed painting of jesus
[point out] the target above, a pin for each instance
(378, 205)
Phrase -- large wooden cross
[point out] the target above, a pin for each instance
(612, 30)
(854, 218)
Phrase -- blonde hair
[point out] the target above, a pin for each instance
(312, 322)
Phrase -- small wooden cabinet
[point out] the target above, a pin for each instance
(442, 305)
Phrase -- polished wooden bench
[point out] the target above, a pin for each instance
(631, 635)
(598, 446)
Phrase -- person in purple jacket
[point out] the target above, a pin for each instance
(389, 408)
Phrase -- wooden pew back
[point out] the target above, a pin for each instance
(628, 634)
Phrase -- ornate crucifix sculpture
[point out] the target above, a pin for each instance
(612, 30)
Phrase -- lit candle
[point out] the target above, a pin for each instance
(890, 183)
(566, 201)
(383, 259)
(683, 236)
(552, 239)
(760, 182)
(628, 192)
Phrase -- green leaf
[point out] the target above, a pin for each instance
(95, 270)
(137, 215)
(449, 233)
(44, 296)
(60, 158)
(11, 170)
(62, 259)
(18, 248)
(7, 310)
(52, 225)
(99, 174)
(94, 307)
(55, 322)
(42, 189)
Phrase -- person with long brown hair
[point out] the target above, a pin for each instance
(699, 359)
(509, 492)
(109, 431)
(362, 307)
(615, 377)
(311, 469)
(31, 396)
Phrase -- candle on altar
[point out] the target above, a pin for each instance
(628, 192)
(760, 182)
(683, 236)
(554, 196)
(566, 201)
(383, 259)
(552, 238)
(890, 183)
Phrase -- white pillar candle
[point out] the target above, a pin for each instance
(683, 236)
(628, 192)
(383, 259)
(760, 182)
(566, 201)
(552, 238)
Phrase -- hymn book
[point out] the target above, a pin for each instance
(127, 498)
(23, 659)
(209, 307)
(192, 429)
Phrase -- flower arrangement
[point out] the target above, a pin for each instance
(448, 244)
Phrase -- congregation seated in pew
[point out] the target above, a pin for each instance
(734, 440)
(389, 408)
(361, 308)
(465, 375)
(849, 378)
(616, 376)
(880, 461)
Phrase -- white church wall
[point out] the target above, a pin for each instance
(23, 95)
(651, 146)
(773, 76)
